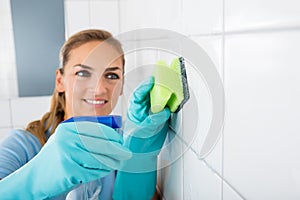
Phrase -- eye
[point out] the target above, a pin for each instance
(83, 73)
(112, 76)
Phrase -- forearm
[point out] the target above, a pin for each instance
(14, 186)
(145, 133)
(135, 185)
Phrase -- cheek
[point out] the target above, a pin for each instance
(116, 91)
(72, 88)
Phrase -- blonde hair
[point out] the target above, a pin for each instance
(51, 119)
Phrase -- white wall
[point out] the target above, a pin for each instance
(8, 75)
(255, 46)
(18, 112)
(15, 112)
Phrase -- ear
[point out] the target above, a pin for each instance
(59, 83)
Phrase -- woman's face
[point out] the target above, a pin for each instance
(92, 80)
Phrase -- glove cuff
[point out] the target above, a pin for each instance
(140, 163)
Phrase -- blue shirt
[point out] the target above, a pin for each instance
(21, 146)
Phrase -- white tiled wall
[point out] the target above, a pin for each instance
(5, 118)
(135, 14)
(27, 109)
(261, 14)
(201, 17)
(261, 131)
(171, 163)
(8, 75)
(200, 182)
(254, 46)
(18, 112)
(81, 14)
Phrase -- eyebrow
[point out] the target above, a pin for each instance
(90, 68)
(83, 66)
(112, 68)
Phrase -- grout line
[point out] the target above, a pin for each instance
(89, 10)
(182, 27)
(182, 163)
(263, 30)
(248, 31)
(223, 179)
(66, 18)
(181, 116)
(119, 17)
(6, 127)
(223, 77)
(207, 165)
(205, 34)
(11, 113)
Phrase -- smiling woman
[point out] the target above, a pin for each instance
(97, 87)
(55, 159)
(82, 80)
(85, 86)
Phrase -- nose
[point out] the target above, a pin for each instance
(100, 87)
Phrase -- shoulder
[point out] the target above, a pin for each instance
(16, 150)
(19, 138)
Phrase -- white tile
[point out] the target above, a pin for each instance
(215, 158)
(202, 17)
(9, 88)
(136, 14)
(8, 70)
(197, 113)
(199, 181)
(230, 194)
(13, 88)
(261, 14)
(4, 91)
(27, 109)
(77, 16)
(262, 115)
(105, 15)
(5, 117)
(170, 180)
(212, 45)
(7, 45)
(4, 133)
(140, 59)
(5, 19)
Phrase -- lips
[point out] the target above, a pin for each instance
(95, 101)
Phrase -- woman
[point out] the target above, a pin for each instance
(79, 160)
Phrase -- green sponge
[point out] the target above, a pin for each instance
(170, 86)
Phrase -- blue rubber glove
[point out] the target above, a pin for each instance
(144, 135)
(78, 152)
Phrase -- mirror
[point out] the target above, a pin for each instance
(39, 32)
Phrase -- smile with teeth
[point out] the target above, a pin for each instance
(95, 102)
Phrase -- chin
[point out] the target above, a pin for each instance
(102, 113)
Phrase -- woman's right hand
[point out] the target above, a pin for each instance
(144, 135)
(78, 152)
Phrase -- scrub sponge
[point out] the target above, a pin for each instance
(170, 86)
